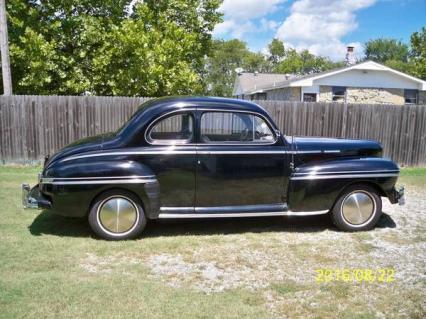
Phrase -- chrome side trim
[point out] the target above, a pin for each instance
(191, 152)
(307, 152)
(167, 152)
(240, 152)
(106, 181)
(345, 172)
(49, 180)
(315, 177)
(224, 215)
(176, 209)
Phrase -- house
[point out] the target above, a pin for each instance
(367, 82)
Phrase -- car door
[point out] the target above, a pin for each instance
(172, 159)
(242, 165)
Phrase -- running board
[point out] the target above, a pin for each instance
(224, 215)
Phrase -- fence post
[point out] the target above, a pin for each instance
(344, 118)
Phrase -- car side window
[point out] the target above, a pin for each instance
(173, 129)
(233, 127)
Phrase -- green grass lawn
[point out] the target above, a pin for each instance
(52, 266)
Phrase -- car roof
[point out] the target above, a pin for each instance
(154, 108)
(217, 103)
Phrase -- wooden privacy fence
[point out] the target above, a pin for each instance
(32, 126)
(400, 129)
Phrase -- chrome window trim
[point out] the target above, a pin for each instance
(316, 177)
(151, 126)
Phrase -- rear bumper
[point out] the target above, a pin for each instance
(32, 198)
(398, 196)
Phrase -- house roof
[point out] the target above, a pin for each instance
(307, 80)
(249, 82)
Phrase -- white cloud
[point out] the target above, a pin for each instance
(233, 28)
(248, 9)
(240, 16)
(268, 25)
(319, 25)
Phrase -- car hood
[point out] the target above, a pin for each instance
(92, 143)
(349, 147)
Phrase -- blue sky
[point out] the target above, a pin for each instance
(324, 27)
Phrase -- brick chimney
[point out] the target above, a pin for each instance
(350, 58)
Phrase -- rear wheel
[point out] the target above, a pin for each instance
(358, 208)
(117, 215)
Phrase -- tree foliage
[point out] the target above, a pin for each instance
(229, 56)
(276, 51)
(410, 59)
(418, 53)
(222, 64)
(105, 47)
(304, 62)
(382, 50)
(154, 48)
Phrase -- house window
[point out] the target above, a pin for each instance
(260, 96)
(309, 97)
(339, 93)
(411, 96)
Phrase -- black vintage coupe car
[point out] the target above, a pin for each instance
(191, 157)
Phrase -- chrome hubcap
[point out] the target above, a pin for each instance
(117, 214)
(357, 208)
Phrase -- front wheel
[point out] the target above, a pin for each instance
(117, 215)
(358, 208)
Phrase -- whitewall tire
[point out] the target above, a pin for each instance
(358, 208)
(117, 215)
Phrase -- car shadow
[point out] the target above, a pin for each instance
(385, 221)
(48, 223)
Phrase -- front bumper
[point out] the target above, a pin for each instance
(397, 196)
(32, 198)
(401, 195)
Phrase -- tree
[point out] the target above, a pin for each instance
(304, 63)
(382, 50)
(221, 65)
(276, 51)
(255, 62)
(399, 56)
(418, 53)
(228, 56)
(54, 42)
(4, 48)
(106, 47)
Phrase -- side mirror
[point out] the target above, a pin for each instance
(278, 133)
